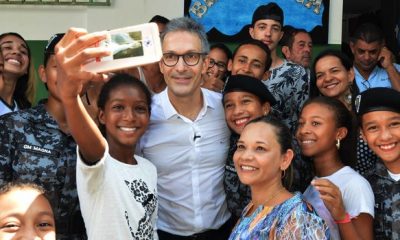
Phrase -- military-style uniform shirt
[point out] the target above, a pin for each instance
(33, 148)
(238, 195)
(387, 203)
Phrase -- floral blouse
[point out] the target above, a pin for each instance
(289, 83)
(292, 219)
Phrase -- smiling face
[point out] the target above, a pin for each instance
(317, 131)
(249, 60)
(381, 130)
(332, 78)
(220, 59)
(26, 214)
(125, 116)
(258, 159)
(268, 31)
(182, 80)
(242, 107)
(15, 54)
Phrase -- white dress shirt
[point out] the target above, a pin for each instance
(190, 160)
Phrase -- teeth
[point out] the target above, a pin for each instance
(248, 168)
(126, 129)
(331, 85)
(307, 141)
(241, 121)
(387, 146)
(13, 61)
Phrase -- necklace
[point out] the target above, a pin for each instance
(273, 196)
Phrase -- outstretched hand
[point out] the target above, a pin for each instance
(71, 53)
(332, 198)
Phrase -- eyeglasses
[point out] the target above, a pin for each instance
(190, 59)
(221, 66)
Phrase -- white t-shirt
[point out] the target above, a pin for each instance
(118, 200)
(394, 176)
(357, 195)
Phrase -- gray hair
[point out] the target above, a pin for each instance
(186, 24)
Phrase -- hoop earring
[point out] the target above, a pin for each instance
(283, 174)
(338, 143)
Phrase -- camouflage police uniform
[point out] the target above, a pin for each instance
(387, 203)
(33, 148)
(238, 195)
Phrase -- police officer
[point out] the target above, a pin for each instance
(35, 145)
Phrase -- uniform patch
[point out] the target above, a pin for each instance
(37, 149)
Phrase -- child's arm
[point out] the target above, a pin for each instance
(71, 53)
(360, 227)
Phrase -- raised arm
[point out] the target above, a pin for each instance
(385, 57)
(74, 49)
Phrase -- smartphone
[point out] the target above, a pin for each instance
(130, 46)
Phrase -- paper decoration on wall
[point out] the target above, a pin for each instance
(229, 17)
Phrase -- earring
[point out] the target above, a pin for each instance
(283, 173)
(338, 143)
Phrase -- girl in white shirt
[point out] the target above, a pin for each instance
(340, 195)
(116, 189)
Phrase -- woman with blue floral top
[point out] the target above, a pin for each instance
(262, 160)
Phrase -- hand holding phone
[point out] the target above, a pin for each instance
(130, 46)
(71, 53)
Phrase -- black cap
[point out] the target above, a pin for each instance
(269, 11)
(243, 83)
(49, 49)
(378, 99)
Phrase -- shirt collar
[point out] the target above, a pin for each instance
(371, 75)
(170, 111)
(43, 116)
(381, 170)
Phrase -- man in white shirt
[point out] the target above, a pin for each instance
(187, 140)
